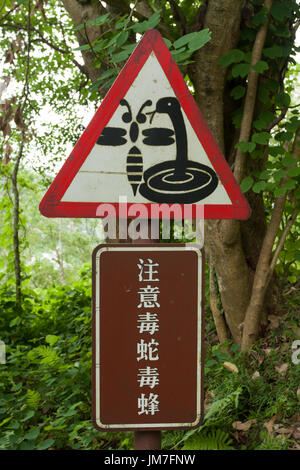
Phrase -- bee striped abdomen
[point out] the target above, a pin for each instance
(134, 168)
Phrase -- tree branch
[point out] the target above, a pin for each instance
(21, 27)
(250, 98)
(281, 242)
(179, 17)
(266, 265)
(144, 9)
(219, 320)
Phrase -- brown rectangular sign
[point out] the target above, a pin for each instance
(147, 337)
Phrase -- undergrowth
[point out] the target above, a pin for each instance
(251, 402)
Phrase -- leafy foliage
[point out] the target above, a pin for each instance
(45, 385)
(209, 440)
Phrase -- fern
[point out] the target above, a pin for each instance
(218, 407)
(5, 443)
(49, 355)
(33, 399)
(209, 440)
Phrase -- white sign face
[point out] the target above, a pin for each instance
(148, 151)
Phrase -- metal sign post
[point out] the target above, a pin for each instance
(147, 440)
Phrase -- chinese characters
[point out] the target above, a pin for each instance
(147, 325)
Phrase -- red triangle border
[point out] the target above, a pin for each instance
(51, 204)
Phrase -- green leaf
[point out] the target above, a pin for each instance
(264, 175)
(6, 420)
(181, 54)
(27, 445)
(100, 44)
(282, 31)
(101, 19)
(45, 444)
(52, 339)
(270, 186)
(240, 70)
(153, 21)
(261, 138)
(257, 154)
(246, 146)
(259, 186)
(264, 119)
(201, 38)
(107, 74)
(194, 40)
(290, 184)
(122, 38)
(275, 151)
(294, 171)
(184, 40)
(15, 321)
(238, 92)
(122, 23)
(284, 136)
(209, 440)
(168, 43)
(279, 174)
(29, 415)
(129, 48)
(85, 47)
(260, 67)
(33, 433)
(273, 52)
(282, 99)
(260, 17)
(281, 11)
(272, 85)
(293, 125)
(297, 193)
(80, 26)
(279, 192)
(233, 56)
(119, 57)
(246, 184)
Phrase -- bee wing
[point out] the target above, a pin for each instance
(158, 136)
(112, 136)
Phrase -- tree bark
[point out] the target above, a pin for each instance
(222, 238)
(16, 223)
(81, 12)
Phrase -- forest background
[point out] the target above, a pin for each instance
(58, 60)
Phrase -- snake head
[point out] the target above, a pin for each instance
(167, 105)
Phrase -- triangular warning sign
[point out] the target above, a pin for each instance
(147, 143)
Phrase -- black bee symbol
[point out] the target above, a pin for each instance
(115, 136)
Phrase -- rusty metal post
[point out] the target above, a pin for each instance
(147, 440)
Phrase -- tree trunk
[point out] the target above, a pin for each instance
(233, 247)
(223, 240)
(16, 224)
